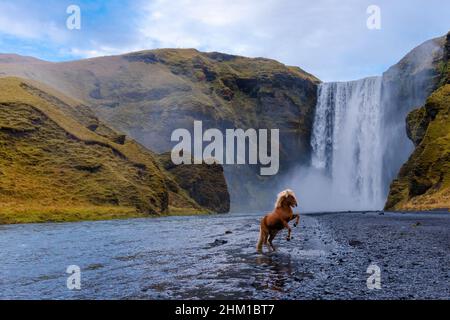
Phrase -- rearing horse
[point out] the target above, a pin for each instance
(278, 219)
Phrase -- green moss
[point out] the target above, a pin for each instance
(175, 211)
(424, 180)
(32, 214)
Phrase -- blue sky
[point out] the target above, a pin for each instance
(328, 38)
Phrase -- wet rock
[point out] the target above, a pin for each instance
(228, 232)
(355, 243)
(94, 266)
(218, 242)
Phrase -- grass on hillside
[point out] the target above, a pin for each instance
(52, 168)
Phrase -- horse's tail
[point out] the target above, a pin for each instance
(262, 235)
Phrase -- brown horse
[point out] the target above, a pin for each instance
(278, 219)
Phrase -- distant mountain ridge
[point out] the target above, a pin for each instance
(150, 93)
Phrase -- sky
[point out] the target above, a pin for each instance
(328, 38)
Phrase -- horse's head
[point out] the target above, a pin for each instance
(286, 198)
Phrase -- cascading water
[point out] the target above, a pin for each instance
(346, 143)
(359, 139)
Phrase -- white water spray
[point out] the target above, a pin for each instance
(346, 144)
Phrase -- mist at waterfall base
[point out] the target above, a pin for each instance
(346, 162)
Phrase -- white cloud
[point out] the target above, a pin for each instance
(207, 25)
(328, 38)
(20, 21)
(295, 32)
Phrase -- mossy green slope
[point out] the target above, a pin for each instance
(58, 162)
(423, 182)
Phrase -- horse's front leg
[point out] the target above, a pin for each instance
(286, 225)
(297, 218)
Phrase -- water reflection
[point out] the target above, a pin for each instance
(168, 258)
(278, 269)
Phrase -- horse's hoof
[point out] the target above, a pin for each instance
(295, 224)
(288, 239)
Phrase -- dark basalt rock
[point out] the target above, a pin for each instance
(355, 243)
(218, 242)
(204, 183)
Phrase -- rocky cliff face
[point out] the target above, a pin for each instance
(149, 94)
(204, 183)
(59, 162)
(405, 87)
(423, 182)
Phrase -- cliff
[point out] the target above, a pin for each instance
(423, 182)
(205, 183)
(148, 94)
(405, 87)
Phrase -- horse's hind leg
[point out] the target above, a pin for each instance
(268, 244)
(271, 237)
(262, 239)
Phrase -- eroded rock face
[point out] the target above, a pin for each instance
(405, 87)
(205, 183)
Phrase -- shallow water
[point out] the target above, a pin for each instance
(198, 258)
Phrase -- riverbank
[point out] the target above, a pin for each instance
(57, 214)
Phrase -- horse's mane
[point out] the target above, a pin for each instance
(282, 195)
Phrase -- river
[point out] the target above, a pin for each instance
(213, 257)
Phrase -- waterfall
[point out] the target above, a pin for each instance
(358, 137)
(346, 143)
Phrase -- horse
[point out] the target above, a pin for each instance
(278, 219)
